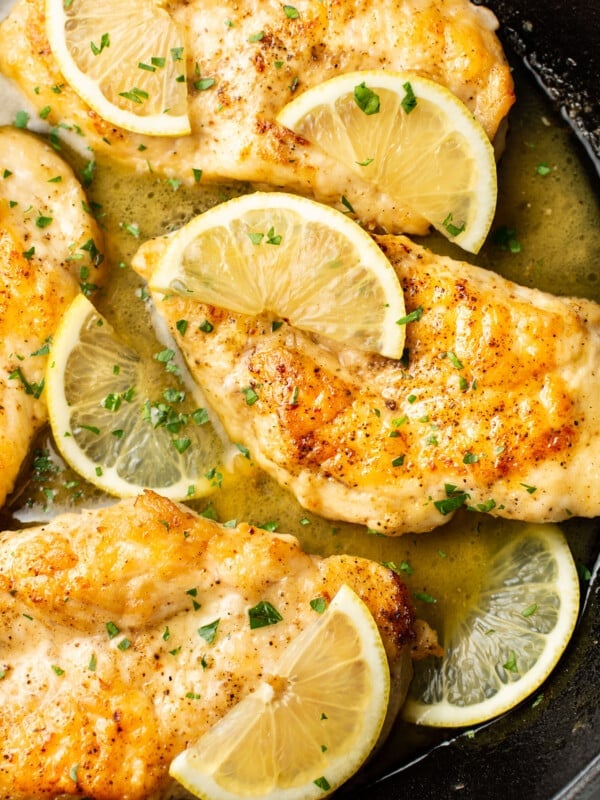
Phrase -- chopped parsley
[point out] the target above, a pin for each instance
(43, 222)
(414, 316)
(404, 567)
(34, 389)
(453, 358)
(112, 630)
(318, 604)
(529, 489)
(243, 450)
(208, 632)
(104, 43)
(511, 664)
(366, 99)
(453, 229)
(409, 102)
(21, 119)
(425, 598)
(263, 614)
(505, 238)
(455, 498)
(204, 83)
(529, 611)
(135, 95)
(250, 395)
(347, 204)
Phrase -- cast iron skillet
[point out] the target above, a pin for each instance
(550, 751)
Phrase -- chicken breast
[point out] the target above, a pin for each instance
(100, 658)
(495, 405)
(49, 251)
(259, 58)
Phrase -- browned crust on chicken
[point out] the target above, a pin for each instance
(154, 572)
(260, 59)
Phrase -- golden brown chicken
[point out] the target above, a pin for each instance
(103, 675)
(49, 250)
(496, 404)
(259, 58)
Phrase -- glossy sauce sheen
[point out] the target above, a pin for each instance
(545, 235)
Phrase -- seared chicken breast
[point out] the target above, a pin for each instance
(495, 404)
(49, 250)
(259, 59)
(101, 663)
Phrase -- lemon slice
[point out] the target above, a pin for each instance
(509, 641)
(123, 423)
(287, 255)
(125, 60)
(305, 729)
(413, 139)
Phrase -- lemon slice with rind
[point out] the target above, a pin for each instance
(125, 60)
(509, 641)
(289, 256)
(308, 727)
(121, 422)
(412, 138)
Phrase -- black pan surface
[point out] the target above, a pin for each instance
(550, 750)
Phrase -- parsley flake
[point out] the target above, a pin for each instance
(409, 102)
(104, 43)
(208, 632)
(414, 316)
(366, 99)
(318, 604)
(263, 614)
(453, 229)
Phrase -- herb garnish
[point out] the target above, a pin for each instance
(409, 103)
(104, 42)
(366, 99)
(263, 614)
(453, 229)
(455, 498)
(208, 632)
(414, 316)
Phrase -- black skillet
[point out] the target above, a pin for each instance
(549, 751)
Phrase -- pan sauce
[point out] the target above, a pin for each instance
(545, 234)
